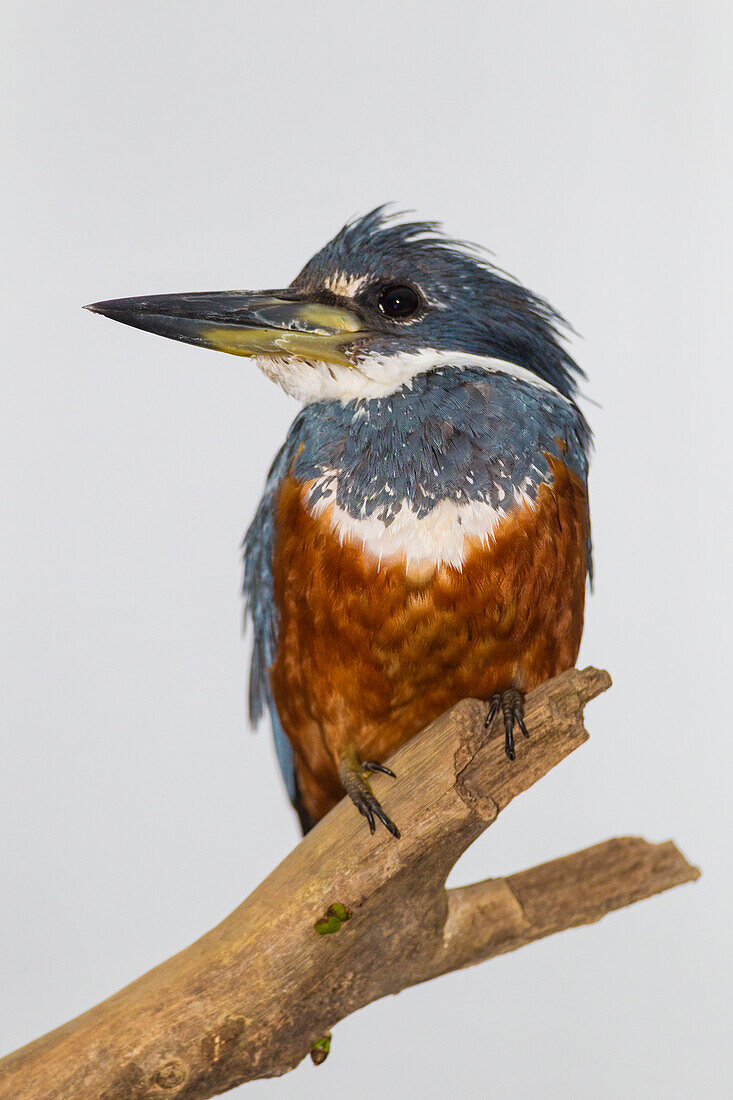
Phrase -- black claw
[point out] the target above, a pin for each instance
(366, 809)
(509, 737)
(387, 821)
(511, 703)
(495, 703)
(508, 711)
(371, 808)
(520, 722)
(354, 776)
(373, 766)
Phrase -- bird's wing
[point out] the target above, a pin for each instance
(579, 442)
(260, 606)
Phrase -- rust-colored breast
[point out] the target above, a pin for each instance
(370, 656)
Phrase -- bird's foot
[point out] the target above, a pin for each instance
(511, 704)
(354, 774)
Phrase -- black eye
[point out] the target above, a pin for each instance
(399, 302)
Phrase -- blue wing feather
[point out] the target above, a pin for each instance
(260, 606)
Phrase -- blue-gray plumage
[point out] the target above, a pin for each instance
(260, 605)
(457, 433)
(474, 307)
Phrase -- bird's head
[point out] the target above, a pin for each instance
(383, 301)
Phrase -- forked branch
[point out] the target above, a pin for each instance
(347, 918)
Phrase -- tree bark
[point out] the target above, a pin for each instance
(349, 917)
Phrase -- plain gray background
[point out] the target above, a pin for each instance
(181, 146)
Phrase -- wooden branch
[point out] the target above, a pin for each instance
(253, 996)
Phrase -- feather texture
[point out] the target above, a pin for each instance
(455, 438)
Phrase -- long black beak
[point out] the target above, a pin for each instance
(280, 323)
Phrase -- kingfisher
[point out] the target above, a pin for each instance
(424, 531)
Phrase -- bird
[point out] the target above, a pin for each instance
(424, 531)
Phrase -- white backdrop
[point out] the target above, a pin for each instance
(181, 146)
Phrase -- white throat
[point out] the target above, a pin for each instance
(309, 380)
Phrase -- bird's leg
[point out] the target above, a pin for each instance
(511, 704)
(354, 776)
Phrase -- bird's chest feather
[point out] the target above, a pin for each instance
(369, 651)
(430, 547)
